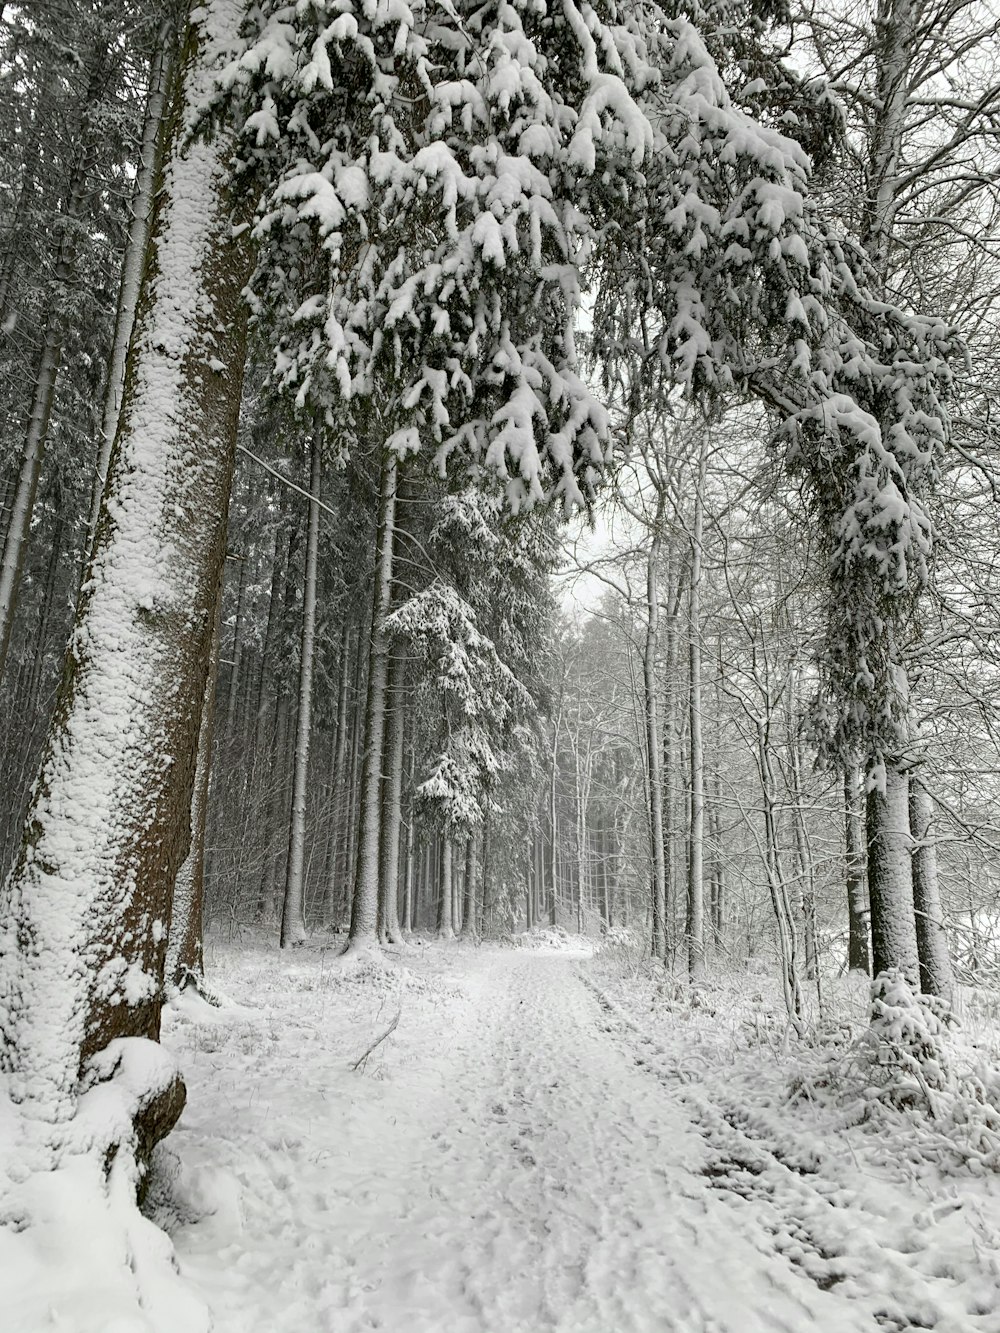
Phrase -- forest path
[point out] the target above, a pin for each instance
(510, 1160)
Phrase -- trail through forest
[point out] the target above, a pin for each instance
(516, 1156)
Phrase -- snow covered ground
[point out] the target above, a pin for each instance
(539, 1144)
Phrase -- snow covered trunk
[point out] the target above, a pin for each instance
(389, 931)
(86, 908)
(696, 845)
(932, 942)
(890, 882)
(470, 903)
(859, 930)
(444, 928)
(185, 953)
(293, 925)
(895, 24)
(553, 821)
(671, 761)
(135, 255)
(581, 838)
(654, 766)
(408, 879)
(457, 877)
(364, 909)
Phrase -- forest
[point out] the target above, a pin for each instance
(499, 652)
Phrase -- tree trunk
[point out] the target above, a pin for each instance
(654, 771)
(364, 909)
(890, 883)
(337, 796)
(293, 925)
(136, 243)
(185, 952)
(408, 883)
(932, 943)
(444, 927)
(392, 792)
(859, 926)
(696, 889)
(470, 929)
(236, 660)
(86, 909)
(553, 840)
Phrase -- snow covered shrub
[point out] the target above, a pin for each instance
(907, 1043)
(620, 952)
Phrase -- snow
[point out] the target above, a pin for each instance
(546, 1141)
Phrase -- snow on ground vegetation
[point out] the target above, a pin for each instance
(517, 1140)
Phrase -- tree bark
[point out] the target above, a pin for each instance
(890, 882)
(185, 951)
(654, 770)
(444, 927)
(470, 928)
(137, 240)
(86, 908)
(859, 925)
(932, 942)
(696, 888)
(293, 925)
(389, 931)
(364, 909)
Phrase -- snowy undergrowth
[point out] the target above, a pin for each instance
(551, 939)
(76, 1254)
(922, 1081)
(917, 1090)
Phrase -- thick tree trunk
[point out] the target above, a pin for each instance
(86, 908)
(470, 929)
(932, 942)
(444, 927)
(293, 925)
(890, 882)
(859, 926)
(364, 908)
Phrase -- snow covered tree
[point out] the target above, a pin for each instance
(748, 288)
(433, 181)
(86, 911)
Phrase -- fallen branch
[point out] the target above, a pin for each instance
(378, 1040)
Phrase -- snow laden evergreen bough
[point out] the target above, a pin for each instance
(436, 178)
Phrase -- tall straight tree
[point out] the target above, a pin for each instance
(86, 909)
(293, 925)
